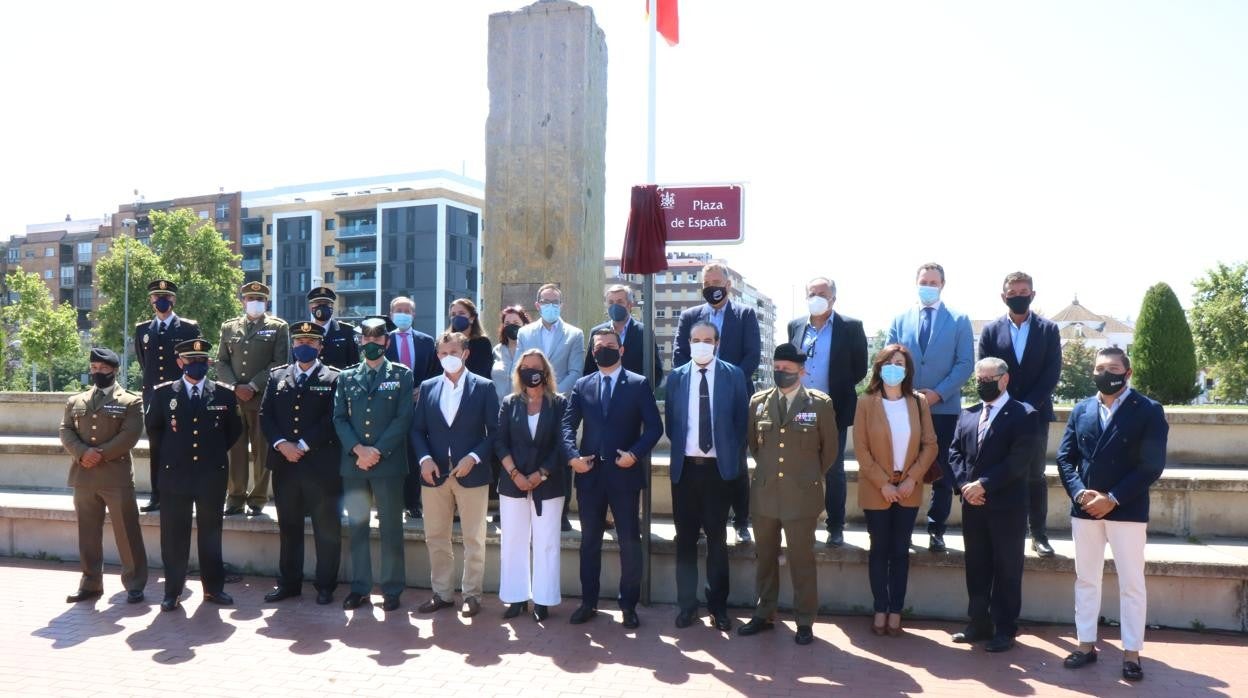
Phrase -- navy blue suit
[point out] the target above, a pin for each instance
(994, 533)
(1123, 459)
(424, 366)
(473, 430)
(630, 422)
(634, 343)
(1032, 382)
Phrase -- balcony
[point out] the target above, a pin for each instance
(362, 257)
(357, 231)
(356, 285)
(253, 240)
(251, 265)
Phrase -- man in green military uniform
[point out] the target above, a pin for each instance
(99, 428)
(250, 347)
(793, 439)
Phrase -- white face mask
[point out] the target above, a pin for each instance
(818, 305)
(255, 308)
(451, 364)
(701, 352)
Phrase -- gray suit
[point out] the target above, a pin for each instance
(567, 353)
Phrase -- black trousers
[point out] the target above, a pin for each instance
(700, 502)
(175, 538)
(740, 496)
(994, 542)
(297, 494)
(593, 505)
(1037, 486)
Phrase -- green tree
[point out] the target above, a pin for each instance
(47, 333)
(1075, 382)
(1220, 326)
(111, 278)
(1163, 357)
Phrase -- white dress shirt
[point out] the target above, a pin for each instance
(898, 414)
(692, 447)
(448, 401)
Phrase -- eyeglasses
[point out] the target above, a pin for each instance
(549, 303)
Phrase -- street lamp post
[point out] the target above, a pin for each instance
(125, 312)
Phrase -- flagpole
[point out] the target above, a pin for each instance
(648, 295)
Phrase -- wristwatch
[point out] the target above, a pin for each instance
(544, 474)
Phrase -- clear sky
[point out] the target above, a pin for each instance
(1100, 146)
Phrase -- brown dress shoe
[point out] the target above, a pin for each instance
(471, 607)
(435, 603)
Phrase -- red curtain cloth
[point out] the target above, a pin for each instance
(645, 240)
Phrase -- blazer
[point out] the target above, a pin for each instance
(379, 417)
(110, 420)
(293, 413)
(1033, 381)
(480, 357)
(947, 364)
(1122, 460)
(634, 359)
(740, 341)
(1000, 463)
(791, 456)
(154, 351)
(504, 367)
(630, 423)
(873, 447)
(847, 362)
(341, 349)
(424, 355)
(730, 416)
(528, 452)
(472, 430)
(194, 452)
(568, 355)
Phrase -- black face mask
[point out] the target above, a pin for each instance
(103, 380)
(532, 377)
(714, 294)
(1109, 383)
(606, 356)
(510, 332)
(322, 312)
(785, 380)
(988, 390)
(1018, 304)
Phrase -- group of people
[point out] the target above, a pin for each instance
(384, 417)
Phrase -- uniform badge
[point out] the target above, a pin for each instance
(173, 404)
(147, 338)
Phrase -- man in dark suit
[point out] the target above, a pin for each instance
(1031, 346)
(1113, 450)
(620, 309)
(154, 342)
(707, 412)
(621, 425)
(453, 433)
(991, 448)
(740, 342)
(338, 347)
(413, 349)
(297, 417)
(836, 359)
(195, 421)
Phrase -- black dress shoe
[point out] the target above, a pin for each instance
(324, 597)
(835, 540)
(722, 622)
(354, 601)
(540, 612)
(936, 543)
(1042, 547)
(971, 634)
(755, 626)
(280, 593)
(219, 597)
(999, 644)
(233, 510)
(84, 595)
(608, 525)
(1078, 660)
(631, 620)
(565, 525)
(435, 603)
(170, 603)
(134, 597)
(254, 510)
(390, 602)
(1132, 671)
(414, 514)
(582, 614)
(152, 505)
(684, 619)
(515, 609)
(805, 635)
(743, 535)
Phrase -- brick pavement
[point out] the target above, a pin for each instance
(299, 648)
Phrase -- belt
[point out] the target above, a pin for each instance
(699, 460)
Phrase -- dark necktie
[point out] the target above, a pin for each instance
(371, 380)
(925, 328)
(784, 408)
(162, 327)
(195, 397)
(606, 394)
(303, 378)
(983, 424)
(705, 441)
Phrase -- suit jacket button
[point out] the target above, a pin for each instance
(781, 431)
(194, 457)
(781, 445)
(781, 460)
(366, 436)
(781, 474)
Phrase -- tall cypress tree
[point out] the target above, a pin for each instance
(1163, 357)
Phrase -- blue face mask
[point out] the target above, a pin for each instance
(617, 312)
(163, 304)
(402, 320)
(928, 294)
(460, 323)
(892, 374)
(196, 370)
(550, 312)
(305, 353)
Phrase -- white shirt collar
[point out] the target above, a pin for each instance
(697, 370)
(997, 404)
(190, 388)
(316, 365)
(611, 374)
(934, 306)
(168, 321)
(446, 380)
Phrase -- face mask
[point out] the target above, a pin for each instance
(510, 332)
(459, 323)
(163, 304)
(255, 308)
(196, 370)
(617, 313)
(701, 352)
(402, 320)
(103, 380)
(714, 294)
(1109, 383)
(532, 377)
(606, 356)
(785, 380)
(305, 353)
(1018, 304)
(550, 313)
(451, 364)
(928, 294)
(818, 305)
(892, 374)
(988, 390)
(373, 351)
(322, 313)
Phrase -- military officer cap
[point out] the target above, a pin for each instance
(376, 326)
(254, 288)
(309, 330)
(788, 352)
(103, 355)
(194, 348)
(162, 287)
(322, 293)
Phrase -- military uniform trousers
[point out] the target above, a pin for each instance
(253, 437)
(799, 537)
(297, 494)
(387, 494)
(90, 504)
(176, 510)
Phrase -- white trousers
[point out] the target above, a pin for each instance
(524, 534)
(1126, 541)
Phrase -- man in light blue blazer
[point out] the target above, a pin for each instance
(943, 346)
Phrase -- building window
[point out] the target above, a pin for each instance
(329, 277)
(49, 252)
(84, 298)
(84, 252)
(331, 224)
(30, 254)
(268, 229)
(14, 254)
(223, 210)
(101, 247)
(203, 215)
(268, 254)
(47, 274)
(268, 280)
(330, 250)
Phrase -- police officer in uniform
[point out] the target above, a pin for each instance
(297, 415)
(196, 422)
(793, 438)
(100, 427)
(154, 342)
(338, 348)
(251, 346)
